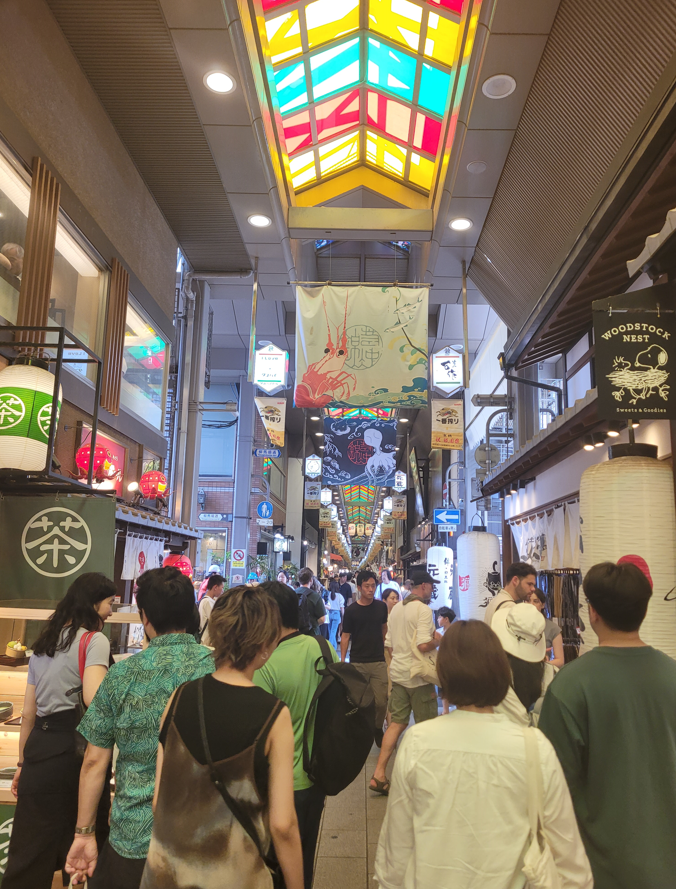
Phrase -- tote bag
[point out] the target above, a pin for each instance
(424, 664)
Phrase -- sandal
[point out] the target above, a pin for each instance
(382, 787)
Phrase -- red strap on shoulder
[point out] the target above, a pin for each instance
(85, 639)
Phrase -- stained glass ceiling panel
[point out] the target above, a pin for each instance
(363, 82)
(362, 493)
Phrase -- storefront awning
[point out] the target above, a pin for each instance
(156, 522)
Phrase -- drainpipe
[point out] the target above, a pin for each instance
(236, 32)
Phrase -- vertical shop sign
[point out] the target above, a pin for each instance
(325, 518)
(447, 370)
(635, 354)
(48, 541)
(272, 412)
(447, 424)
(398, 507)
(270, 369)
(313, 492)
(440, 566)
(361, 346)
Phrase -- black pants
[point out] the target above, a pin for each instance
(115, 872)
(46, 809)
(309, 807)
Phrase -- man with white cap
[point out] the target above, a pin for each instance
(521, 631)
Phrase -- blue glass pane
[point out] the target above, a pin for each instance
(291, 88)
(335, 68)
(390, 69)
(434, 86)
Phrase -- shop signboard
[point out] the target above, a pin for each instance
(440, 566)
(313, 492)
(270, 369)
(325, 518)
(400, 481)
(313, 466)
(388, 526)
(272, 412)
(52, 540)
(398, 507)
(447, 424)
(447, 370)
(635, 337)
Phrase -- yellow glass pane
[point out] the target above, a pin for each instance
(339, 154)
(303, 169)
(284, 37)
(442, 39)
(329, 19)
(397, 19)
(421, 171)
(385, 155)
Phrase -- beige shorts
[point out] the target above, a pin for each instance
(422, 701)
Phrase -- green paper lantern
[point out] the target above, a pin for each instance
(26, 393)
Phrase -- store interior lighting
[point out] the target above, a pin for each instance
(588, 443)
(461, 224)
(514, 488)
(599, 439)
(614, 429)
(219, 82)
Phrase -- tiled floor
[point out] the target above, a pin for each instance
(349, 834)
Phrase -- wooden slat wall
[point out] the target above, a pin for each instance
(36, 279)
(114, 345)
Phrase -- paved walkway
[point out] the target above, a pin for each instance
(349, 834)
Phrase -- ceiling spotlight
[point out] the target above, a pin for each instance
(514, 487)
(132, 486)
(319, 434)
(260, 221)
(635, 424)
(219, 82)
(501, 494)
(461, 224)
(476, 167)
(315, 418)
(599, 439)
(403, 419)
(615, 428)
(588, 443)
(499, 86)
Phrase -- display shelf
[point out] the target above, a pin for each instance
(117, 617)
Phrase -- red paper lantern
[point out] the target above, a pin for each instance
(103, 466)
(178, 560)
(153, 484)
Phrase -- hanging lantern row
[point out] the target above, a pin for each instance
(26, 394)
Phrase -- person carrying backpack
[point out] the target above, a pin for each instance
(310, 603)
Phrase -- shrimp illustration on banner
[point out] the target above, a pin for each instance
(325, 380)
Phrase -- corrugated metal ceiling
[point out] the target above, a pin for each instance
(599, 68)
(127, 54)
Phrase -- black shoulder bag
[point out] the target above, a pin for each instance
(241, 816)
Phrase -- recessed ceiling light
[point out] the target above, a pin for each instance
(499, 86)
(260, 221)
(403, 419)
(461, 224)
(476, 167)
(320, 434)
(219, 82)
(315, 418)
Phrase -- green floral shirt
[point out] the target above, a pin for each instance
(126, 711)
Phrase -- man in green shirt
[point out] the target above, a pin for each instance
(126, 712)
(290, 675)
(611, 716)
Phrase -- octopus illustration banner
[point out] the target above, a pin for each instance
(361, 346)
(635, 339)
(359, 451)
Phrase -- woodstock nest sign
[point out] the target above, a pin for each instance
(635, 336)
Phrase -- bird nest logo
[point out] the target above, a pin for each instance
(645, 378)
(56, 542)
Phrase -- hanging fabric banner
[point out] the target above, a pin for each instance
(359, 451)
(361, 346)
(448, 430)
(273, 414)
(635, 335)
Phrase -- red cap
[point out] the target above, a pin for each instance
(640, 562)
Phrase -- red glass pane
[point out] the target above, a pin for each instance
(426, 134)
(388, 116)
(273, 4)
(297, 132)
(337, 115)
(451, 5)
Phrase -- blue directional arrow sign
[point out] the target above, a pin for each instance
(267, 452)
(264, 509)
(446, 516)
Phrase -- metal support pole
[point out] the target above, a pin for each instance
(252, 333)
(243, 472)
(303, 549)
(538, 385)
(465, 328)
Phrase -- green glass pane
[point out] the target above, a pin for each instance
(291, 87)
(434, 85)
(335, 68)
(390, 69)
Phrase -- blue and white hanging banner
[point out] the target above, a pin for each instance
(359, 451)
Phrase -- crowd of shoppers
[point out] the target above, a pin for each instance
(210, 785)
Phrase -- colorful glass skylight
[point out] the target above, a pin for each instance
(365, 83)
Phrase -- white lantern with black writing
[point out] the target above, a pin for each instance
(478, 572)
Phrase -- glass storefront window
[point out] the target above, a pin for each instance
(15, 193)
(213, 550)
(144, 369)
(78, 292)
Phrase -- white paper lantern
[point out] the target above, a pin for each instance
(627, 509)
(440, 566)
(478, 573)
(26, 392)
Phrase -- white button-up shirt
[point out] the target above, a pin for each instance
(457, 814)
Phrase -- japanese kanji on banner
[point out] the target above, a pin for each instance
(313, 492)
(359, 451)
(273, 414)
(447, 424)
(361, 346)
(47, 541)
